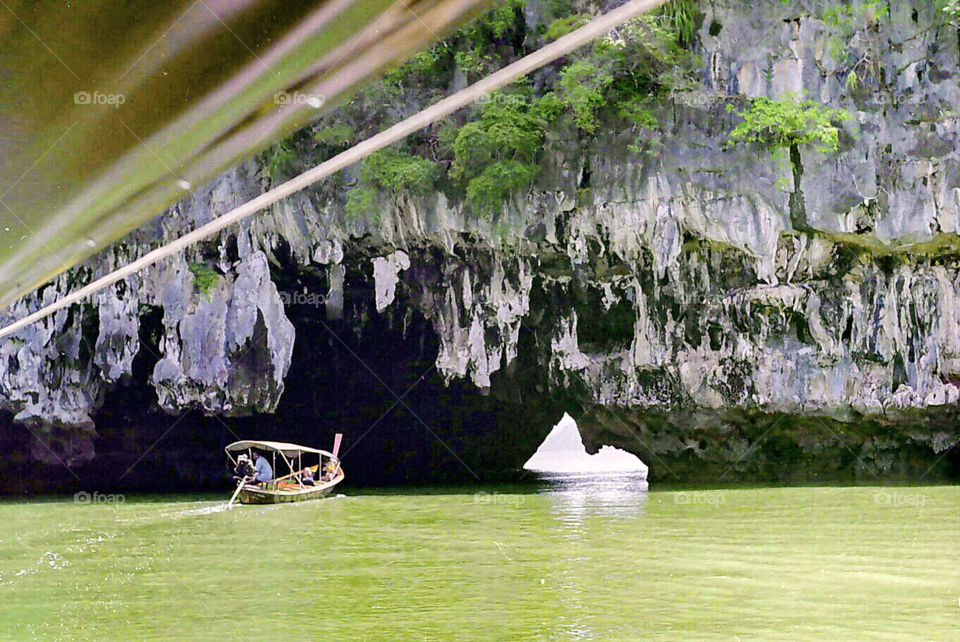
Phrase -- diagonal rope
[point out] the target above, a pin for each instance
(547, 54)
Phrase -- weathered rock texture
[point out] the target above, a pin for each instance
(682, 296)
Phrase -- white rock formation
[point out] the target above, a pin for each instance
(563, 452)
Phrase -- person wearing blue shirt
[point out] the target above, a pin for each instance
(264, 471)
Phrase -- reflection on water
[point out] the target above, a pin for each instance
(576, 498)
(606, 495)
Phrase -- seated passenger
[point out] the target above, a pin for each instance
(329, 471)
(262, 468)
(306, 477)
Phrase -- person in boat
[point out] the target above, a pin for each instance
(244, 469)
(329, 471)
(262, 468)
(306, 477)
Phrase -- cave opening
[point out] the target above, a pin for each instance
(605, 328)
(369, 375)
(372, 376)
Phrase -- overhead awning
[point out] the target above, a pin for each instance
(288, 450)
(110, 112)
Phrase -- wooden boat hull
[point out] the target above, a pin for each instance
(271, 494)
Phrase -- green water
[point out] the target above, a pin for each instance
(591, 560)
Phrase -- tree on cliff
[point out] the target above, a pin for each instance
(789, 124)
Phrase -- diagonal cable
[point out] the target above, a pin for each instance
(556, 49)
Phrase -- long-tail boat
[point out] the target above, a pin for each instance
(302, 480)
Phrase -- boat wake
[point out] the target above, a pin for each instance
(202, 510)
(206, 510)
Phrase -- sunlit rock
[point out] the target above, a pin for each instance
(563, 452)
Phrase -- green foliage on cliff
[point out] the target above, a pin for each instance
(361, 202)
(473, 62)
(850, 17)
(788, 123)
(950, 8)
(398, 172)
(280, 162)
(205, 278)
(495, 24)
(496, 155)
(583, 85)
(483, 155)
(846, 20)
(625, 72)
(335, 135)
(393, 171)
(682, 15)
(422, 64)
(488, 191)
(562, 26)
(472, 48)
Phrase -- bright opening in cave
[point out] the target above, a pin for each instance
(563, 452)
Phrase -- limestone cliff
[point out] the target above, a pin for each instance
(681, 297)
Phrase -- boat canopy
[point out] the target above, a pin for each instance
(287, 449)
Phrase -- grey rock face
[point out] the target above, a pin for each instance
(385, 276)
(49, 382)
(675, 278)
(227, 354)
(476, 310)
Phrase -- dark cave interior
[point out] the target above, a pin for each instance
(375, 382)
